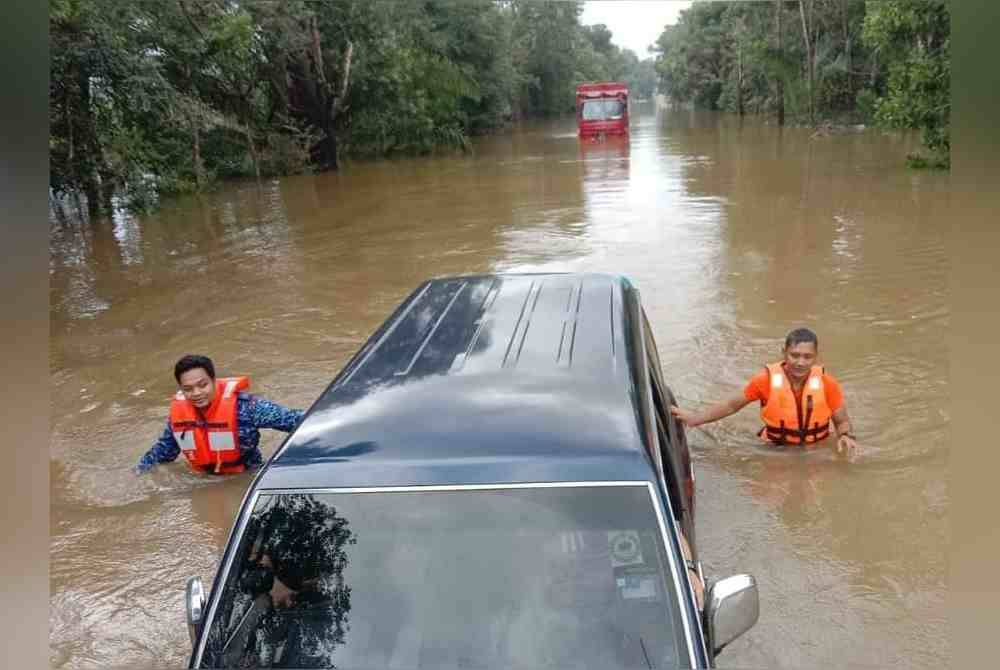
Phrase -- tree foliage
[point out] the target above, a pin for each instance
(884, 61)
(914, 38)
(153, 98)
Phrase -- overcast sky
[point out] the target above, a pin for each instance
(634, 24)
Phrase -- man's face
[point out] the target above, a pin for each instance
(799, 358)
(198, 387)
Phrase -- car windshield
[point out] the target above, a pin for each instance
(602, 110)
(547, 577)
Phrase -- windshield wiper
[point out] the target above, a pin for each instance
(258, 606)
(644, 654)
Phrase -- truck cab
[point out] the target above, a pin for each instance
(602, 108)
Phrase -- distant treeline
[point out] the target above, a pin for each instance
(154, 97)
(884, 61)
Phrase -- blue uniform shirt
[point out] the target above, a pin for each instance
(252, 413)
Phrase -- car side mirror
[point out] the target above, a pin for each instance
(732, 608)
(194, 603)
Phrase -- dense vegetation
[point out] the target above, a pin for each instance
(153, 97)
(882, 61)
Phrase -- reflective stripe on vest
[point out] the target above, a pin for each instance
(220, 441)
(185, 439)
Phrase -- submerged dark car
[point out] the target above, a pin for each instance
(493, 481)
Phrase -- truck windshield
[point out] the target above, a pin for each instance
(560, 577)
(602, 110)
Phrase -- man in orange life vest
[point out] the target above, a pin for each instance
(798, 400)
(214, 423)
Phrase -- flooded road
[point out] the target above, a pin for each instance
(735, 234)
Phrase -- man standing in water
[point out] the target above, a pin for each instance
(214, 423)
(798, 400)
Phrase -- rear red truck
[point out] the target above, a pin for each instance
(602, 109)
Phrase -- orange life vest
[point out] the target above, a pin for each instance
(789, 421)
(210, 440)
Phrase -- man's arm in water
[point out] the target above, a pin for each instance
(164, 450)
(719, 410)
(845, 439)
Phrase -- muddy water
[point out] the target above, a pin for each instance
(735, 234)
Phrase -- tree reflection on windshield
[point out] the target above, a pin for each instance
(287, 601)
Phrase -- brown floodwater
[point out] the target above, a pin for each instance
(734, 232)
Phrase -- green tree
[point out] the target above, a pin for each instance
(155, 98)
(816, 59)
(476, 36)
(914, 38)
(95, 59)
(547, 41)
(691, 63)
(642, 80)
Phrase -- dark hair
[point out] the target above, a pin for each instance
(192, 361)
(801, 335)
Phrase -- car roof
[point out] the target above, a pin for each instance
(479, 380)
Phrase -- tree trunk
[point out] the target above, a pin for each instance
(196, 156)
(739, 82)
(314, 98)
(280, 85)
(85, 169)
(810, 57)
(847, 53)
(812, 84)
(192, 113)
(325, 103)
(107, 190)
(68, 110)
(348, 55)
(781, 81)
(850, 75)
(253, 150)
(338, 104)
(333, 105)
(80, 212)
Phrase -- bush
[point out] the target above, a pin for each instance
(286, 153)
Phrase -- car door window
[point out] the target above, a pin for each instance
(673, 447)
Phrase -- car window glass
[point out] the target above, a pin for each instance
(662, 396)
(602, 110)
(564, 577)
(659, 405)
